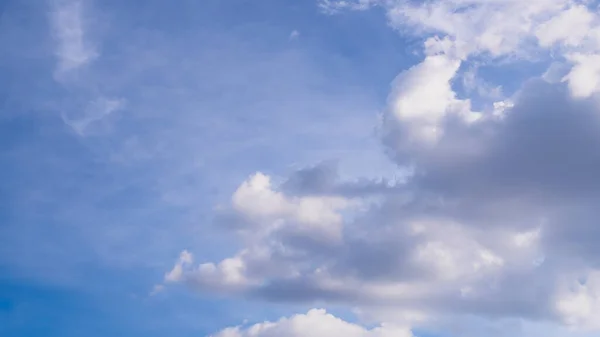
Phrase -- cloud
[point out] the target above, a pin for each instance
(577, 18)
(499, 194)
(584, 78)
(579, 301)
(492, 206)
(93, 112)
(495, 221)
(158, 288)
(176, 274)
(503, 30)
(258, 202)
(477, 26)
(422, 97)
(73, 48)
(315, 323)
(334, 6)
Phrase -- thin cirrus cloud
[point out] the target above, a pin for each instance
(497, 220)
(74, 50)
(93, 112)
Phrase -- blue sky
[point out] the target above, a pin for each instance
(178, 168)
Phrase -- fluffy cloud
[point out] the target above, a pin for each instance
(497, 222)
(497, 219)
(497, 27)
(584, 78)
(315, 323)
(502, 29)
(577, 19)
(422, 97)
(268, 221)
(70, 22)
(256, 200)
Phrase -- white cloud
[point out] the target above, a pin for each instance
(502, 29)
(422, 96)
(73, 48)
(477, 26)
(266, 214)
(176, 274)
(569, 27)
(228, 274)
(315, 323)
(452, 254)
(256, 200)
(584, 77)
(578, 301)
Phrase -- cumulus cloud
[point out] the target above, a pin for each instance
(422, 97)
(507, 29)
(315, 323)
(496, 221)
(496, 216)
(569, 27)
(498, 27)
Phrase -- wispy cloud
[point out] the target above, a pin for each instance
(94, 112)
(69, 30)
(158, 288)
(70, 22)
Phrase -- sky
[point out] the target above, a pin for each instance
(300, 168)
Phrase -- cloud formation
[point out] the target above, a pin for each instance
(498, 218)
(315, 323)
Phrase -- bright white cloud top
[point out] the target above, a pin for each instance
(316, 323)
(498, 220)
